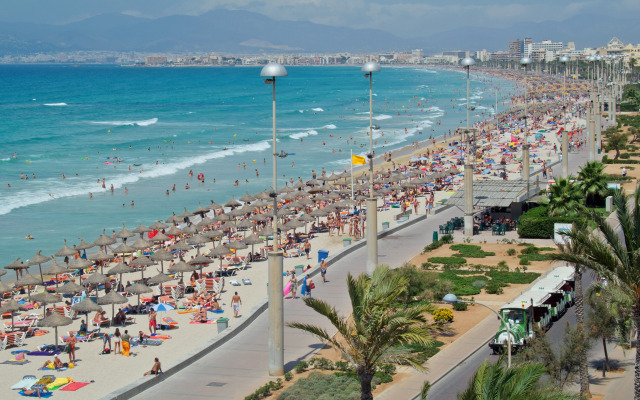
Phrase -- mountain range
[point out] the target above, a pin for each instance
(244, 32)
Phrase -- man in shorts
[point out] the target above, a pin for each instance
(153, 324)
(235, 304)
(307, 247)
(156, 369)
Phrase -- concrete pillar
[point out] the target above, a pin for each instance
(613, 109)
(591, 134)
(372, 235)
(468, 200)
(565, 154)
(276, 315)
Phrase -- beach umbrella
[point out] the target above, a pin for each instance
(38, 259)
(206, 221)
(28, 280)
(46, 298)
(70, 288)
(264, 195)
(83, 246)
(298, 185)
(16, 265)
(119, 269)
(287, 189)
(160, 279)
(238, 212)
(66, 251)
(95, 279)
(160, 237)
(186, 214)
(220, 251)
(104, 240)
(141, 244)
(232, 203)
(86, 306)
(197, 240)
(141, 230)
(252, 240)
(189, 230)
(161, 255)
(79, 263)
(182, 267)
(236, 245)
(162, 307)
(173, 231)
(142, 261)
(56, 270)
(307, 218)
(288, 196)
(224, 218)
(112, 298)
(181, 246)
(139, 289)
(245, 224)
(258, 217)
(2, 272)
(313, 182)
(100, 256)
(4, 288)
(200, 260)
(247, 198)
(11, 307)
(125, 234)
(214, 234)
(123, 248)
(158, 225)
(201, 210)
(214, 206)
(174, 219)
(54, 321)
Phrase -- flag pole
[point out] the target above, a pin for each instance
(351, 162)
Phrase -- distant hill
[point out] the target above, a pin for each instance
(244, 32)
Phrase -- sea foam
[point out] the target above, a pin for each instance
(144, 122)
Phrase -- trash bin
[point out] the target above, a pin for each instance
(222, 323)
(299, 270)
(323, 254)
(599, 150)
(385, 225)
(346, 242)
(435, 236)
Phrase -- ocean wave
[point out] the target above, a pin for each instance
(300, 135)
(382, 117)
(318, 109)
(330, 126)
(55, 104)
(54, 188)
(144, 122)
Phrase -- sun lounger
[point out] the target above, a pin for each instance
(26, 382)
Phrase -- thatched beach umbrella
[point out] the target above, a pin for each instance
(79, 263)
(86, 306)
(186, 214)
(119, 269)
(214, 206)
(139, 289)
(46, 298)
(247, 198)
(57, 269)
(197, 240)
(220, 252)
(252, 240)
(142, 261)
(28, 280)
(100, 256)
(161, 255)
(158, 225)
(160, 237)
(201, 210)
(160, 279)
(66, 251)
(173, 231)
(38, 260)
(181, 267)
(16, 265)
(104, 241)
(123, 248)
(11, 307)
(112, 298)
(70, 288)
(125, 234)
(4, 288)
(232, 203)
(141, 244)
(141, 230)
(54, 321)
(174, 219)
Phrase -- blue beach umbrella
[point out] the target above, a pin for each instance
(162, 307)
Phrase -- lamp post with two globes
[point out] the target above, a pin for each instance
(565, 134)
(525, 61)
(276, 310)
(468, 166)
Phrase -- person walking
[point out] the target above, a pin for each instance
(294, 286)
(307, 247)
(236, 301)
(117, 339)
(308, 283)
(323, 270)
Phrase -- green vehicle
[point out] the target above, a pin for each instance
(536, 309)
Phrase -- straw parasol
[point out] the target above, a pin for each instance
(214, 206)
(2, 272)
(38, 260)
(4, 288)
(66, 251)
(79, 263)
(119, 269)
(54, 321)
(28, 280)
(258, 217)
(181, 245)
(139, 289)
(125, 234)
(16, 265)
(46, 298)
(142, 261)
(160, 237)
(104, 240)
(123, 248)
(161, 255)
(196, 240)
(174, 219)
(232, 203)
(70, 288)
(11, 307)
(112, 298)
(201, 210)
(141, 244)
(158, 225)
(160, 279)
(56, 270)
(141, 230)
(86, 306)
(247, 198)
(200, 260)
(252, 240)
(186, 214)
(182, 267)
(173, 231)
(236, 245)
(100, 256)
(206, 221)
(220, 251)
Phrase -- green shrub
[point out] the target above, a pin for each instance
(323, 387)
(460, 306)
(322, 363)
(447, 260)
(502, 265)
(625, 156)
(547, 248)
(479, 284)
(288, 376)
(534, 257)
(343, 366)
(388, 369)
(447, 239)
(461, 285)
(530, 250)
(301, 367)
(535, 223)
(525, 261)
(470, 251)
(494, 287)
(506, 277)
(511, 252)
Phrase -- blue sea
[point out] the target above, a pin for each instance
(143, 129)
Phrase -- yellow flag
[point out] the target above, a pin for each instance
(358, 160)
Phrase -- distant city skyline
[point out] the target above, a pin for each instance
(403, 18)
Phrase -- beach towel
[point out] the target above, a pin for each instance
(58, 383)
(303, 290)
(16, 362)
(210, 321)
(217, 311)
(26, 382)
(43, 394)
(125, 348)
(156, 336)
(73, 386)
(43, 353)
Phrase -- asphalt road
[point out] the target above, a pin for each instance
(457, 379)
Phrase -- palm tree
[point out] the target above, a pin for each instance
(520, 382)
(574, 248)
(565, 198)
(366, 338)
(593, 181)
(614, 252)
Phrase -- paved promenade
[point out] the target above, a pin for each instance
(241, 365)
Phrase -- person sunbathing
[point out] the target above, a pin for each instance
(37, 391)
(215, 306)
(200, 316)
(55, 364)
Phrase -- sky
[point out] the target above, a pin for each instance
(404, 18)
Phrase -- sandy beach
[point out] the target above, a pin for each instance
(495, 148)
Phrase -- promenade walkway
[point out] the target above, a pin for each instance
(241, 365)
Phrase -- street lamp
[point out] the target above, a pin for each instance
(276, 310)
(591, 125)
(565, 135)
(452, 298)
(525, 61)
(467, 62)
(372, 204)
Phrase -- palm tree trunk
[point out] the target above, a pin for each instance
(606, 366)
(636, 377)
(365, 377)
(584, 367)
